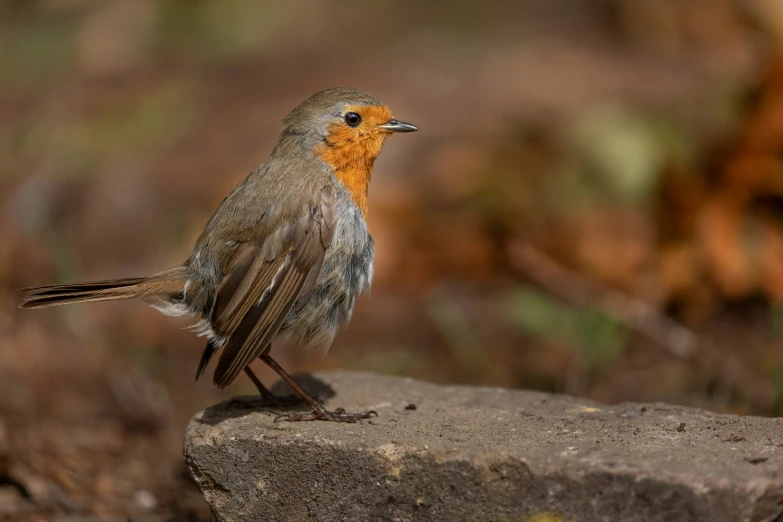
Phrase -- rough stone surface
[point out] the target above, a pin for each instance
(486, 454)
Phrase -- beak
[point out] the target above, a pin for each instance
(398, 126)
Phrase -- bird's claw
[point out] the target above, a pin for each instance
(338, 415)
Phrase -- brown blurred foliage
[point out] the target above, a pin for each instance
(594, 205)
(721, 228)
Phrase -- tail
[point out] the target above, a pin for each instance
(168, 284)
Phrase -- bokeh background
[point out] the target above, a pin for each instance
(593, 206)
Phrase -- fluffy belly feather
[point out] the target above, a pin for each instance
(346, 273)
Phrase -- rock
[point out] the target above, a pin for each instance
(486, 454)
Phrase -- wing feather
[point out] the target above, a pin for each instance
(266, 279)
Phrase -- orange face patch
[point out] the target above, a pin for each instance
(351, 151)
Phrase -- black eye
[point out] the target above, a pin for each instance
(353, 119)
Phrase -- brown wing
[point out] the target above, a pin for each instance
(264, 281)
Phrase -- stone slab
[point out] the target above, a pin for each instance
(439, 453)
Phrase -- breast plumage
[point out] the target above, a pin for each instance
(347, 272)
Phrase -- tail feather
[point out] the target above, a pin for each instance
(209, 351)
(92, 285)
(164, 284)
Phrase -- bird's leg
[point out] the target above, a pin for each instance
(265, 394)
(267, 398)
(319, 412)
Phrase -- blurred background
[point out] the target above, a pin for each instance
(593, 206)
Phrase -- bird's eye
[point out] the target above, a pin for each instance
(353, 119)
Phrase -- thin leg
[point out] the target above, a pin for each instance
(265, 394)
(267, 398)
(319, 412)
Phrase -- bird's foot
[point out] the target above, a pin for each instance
(321, 413)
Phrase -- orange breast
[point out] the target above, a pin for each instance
(351, 152)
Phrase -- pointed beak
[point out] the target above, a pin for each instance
(398, 126)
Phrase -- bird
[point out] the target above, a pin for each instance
(285, 254)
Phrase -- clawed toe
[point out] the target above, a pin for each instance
(318, 412)
(338, 415)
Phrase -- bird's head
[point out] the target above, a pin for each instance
(350, 127)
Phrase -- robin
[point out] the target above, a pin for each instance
(286, 253)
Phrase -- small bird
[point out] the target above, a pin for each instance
(286, 253)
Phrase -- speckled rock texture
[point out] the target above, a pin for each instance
(438, 453)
